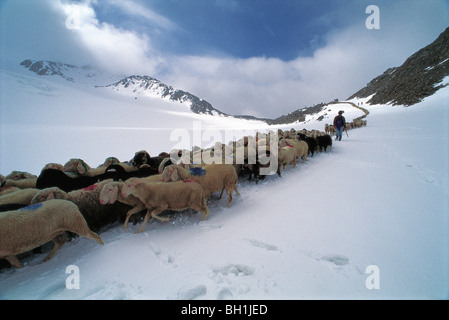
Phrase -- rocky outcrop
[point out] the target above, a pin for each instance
(420, 76)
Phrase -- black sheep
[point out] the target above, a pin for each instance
(143, 158)
(324, 141)
(57, 178)
(311, 142)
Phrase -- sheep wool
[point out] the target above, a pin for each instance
(27, 228)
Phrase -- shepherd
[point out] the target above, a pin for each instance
(339, 125)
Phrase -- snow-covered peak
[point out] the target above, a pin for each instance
(149, 86)
(50, 68)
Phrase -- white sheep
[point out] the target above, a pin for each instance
(30, 227)
(216, 177)
(6, 190)
(301, 147)
(112, 192)
(22, 183)
(21, 196)
(161, 196)
(286, 156)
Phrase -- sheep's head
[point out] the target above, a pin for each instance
(77, 166)
(19, 175)
(170, 173)
(140, 158)
(109, 161)
(48, 194)
(129, 186)
(109, 193)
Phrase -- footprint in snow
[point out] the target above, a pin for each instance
(262, 245)
(192, 293)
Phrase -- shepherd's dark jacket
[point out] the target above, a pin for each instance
(339, 125)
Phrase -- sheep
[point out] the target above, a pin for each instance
(116, 172)
(22, 183)
(19, 179)
(217, 177)
(19, 175)
(301, 147)
(324, 141)
(6, 190)
(22, 196)
(32, 226)
(77, 167)
(87, 199)
(161, 196)
(286, 156)
(112, 192)
(311, 143)
(57, 178)
(140, 157)
(143, 158)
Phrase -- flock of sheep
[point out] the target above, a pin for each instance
(76, 199)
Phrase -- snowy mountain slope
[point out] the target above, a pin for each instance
(379, 198)
(133, 86)
(420, 76)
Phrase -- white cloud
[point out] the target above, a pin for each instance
(111, 47)
(136, 9)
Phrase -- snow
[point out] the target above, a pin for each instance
(377, 201)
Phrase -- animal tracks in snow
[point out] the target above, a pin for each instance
(339, 263)
(234, 269)
(262, 245)
(228, 279)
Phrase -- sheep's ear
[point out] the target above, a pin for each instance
(114, 195)
(174, 175)
(50, 196)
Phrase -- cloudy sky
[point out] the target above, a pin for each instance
(258, 57)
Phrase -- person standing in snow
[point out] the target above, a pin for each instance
(339, 125)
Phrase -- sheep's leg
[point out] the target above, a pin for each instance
(221, 194)
(145, 220)
(130, 213)
(151, 213)
(14, 261)
(157, 211)
(59, 241)
(204, 209)
(229, 191)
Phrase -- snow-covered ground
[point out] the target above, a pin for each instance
(368, 220)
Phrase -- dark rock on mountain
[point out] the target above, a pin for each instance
(420, 76)
(45, 68)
